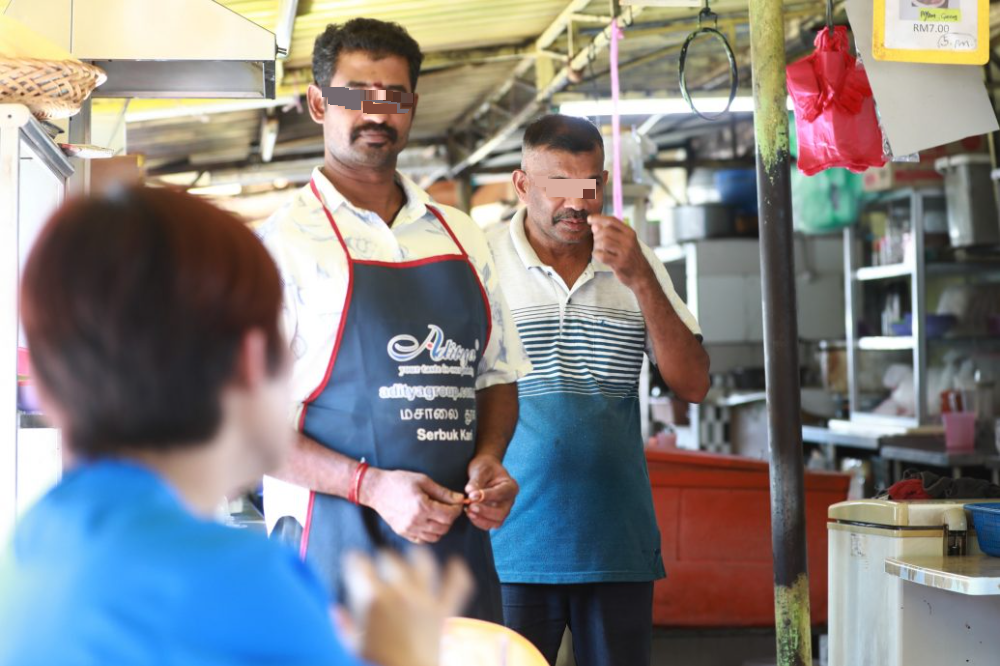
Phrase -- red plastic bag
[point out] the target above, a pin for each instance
(834, 108)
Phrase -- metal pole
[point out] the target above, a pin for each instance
(788, 525)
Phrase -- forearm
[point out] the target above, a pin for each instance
(311, 465)
(682, 361)
(496, 419)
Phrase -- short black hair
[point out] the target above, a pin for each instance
(558, 132)
(376, 38)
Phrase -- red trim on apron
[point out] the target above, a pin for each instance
(343, 315)
(464, 256)
(482, 288)
(304, 543)
(416, 262)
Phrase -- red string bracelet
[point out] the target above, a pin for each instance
(359, 475)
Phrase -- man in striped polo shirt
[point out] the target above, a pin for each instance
(581, 548)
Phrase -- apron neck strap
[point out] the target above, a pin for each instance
(447, 228)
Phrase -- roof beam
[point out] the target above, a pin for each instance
(558, 81)
(544, 41)
(459, 58)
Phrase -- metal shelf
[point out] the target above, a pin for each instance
(33, 181)
(906, 342)
(27, 421)
(818, 435)
(962, 267)
(883, 272)
(966, 340)
(871, 273)
(895, 196)
(914, 272)
(886, 343)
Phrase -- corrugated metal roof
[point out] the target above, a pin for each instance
(437, 25)
(447, 94)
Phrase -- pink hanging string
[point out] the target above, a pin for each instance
(616, 136)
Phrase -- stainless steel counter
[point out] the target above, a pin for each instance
(975, 575)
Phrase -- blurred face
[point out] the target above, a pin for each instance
(560, 189)
(375, 134)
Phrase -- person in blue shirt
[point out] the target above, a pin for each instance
(153, 321)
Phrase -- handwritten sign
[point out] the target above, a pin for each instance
(947, 32)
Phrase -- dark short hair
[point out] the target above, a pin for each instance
(135, 304)
(567, 133)
(376, 38)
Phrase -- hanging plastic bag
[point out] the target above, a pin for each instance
(834, 108)
(827, 201)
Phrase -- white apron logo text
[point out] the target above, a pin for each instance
(405, 348)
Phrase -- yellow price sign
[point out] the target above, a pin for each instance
(946, 32)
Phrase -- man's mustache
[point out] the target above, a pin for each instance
(389, 132)
(575, 216)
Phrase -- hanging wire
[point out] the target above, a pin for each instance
(734, 77)
(829, 16)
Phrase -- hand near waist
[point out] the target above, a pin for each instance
(414, 506)
(491, 490)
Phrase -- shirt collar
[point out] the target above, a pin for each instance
(523, 248)
(527, 253)
(416, 199)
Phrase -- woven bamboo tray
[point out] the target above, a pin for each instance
(50, 88)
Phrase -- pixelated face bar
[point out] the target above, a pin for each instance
(571, 188)
(373, 102)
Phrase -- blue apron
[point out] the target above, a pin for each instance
(401, 393)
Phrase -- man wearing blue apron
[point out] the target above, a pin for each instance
(406, 356)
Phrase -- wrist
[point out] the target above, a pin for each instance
(645, 284)
(488, 453)
(368, 490)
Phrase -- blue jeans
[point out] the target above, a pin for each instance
(612, 623)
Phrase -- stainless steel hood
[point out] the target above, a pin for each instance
(159, 48)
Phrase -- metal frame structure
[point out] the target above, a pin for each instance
(16, 126)
(548, 81)
(854, 276)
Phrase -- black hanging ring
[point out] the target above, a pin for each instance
(734, 75)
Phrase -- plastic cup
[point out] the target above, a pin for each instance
(959, 432)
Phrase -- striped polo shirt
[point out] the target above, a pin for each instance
(585, 510)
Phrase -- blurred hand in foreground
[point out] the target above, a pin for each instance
(395, 609)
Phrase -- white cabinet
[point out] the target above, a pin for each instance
(33, 177)
(720, 281)
(722, 287)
